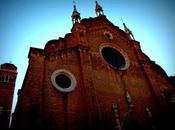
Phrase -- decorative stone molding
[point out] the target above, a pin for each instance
(108, 35)
(116, 117)
(118, 49)
(68, 75)
(129, 99)
(149, 114)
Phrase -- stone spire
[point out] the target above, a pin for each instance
(98, 9)
(75, 15)
(128, 32)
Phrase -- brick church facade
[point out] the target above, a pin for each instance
(95, 78)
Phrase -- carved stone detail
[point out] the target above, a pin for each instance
(116, 117)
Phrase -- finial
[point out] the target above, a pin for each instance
(74, 5)
(74, 2)
(122, 20)
(128, 31)
(75, 15)
(98, 9)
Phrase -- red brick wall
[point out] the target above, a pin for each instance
(6, 94)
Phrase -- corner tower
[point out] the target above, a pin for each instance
(8, 73)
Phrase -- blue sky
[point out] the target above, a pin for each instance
(26, 23)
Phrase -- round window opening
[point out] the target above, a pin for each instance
(63, 80)
(108, 35)
(113, 57)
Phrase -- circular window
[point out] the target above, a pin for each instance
(108, 35)
(113, 57)
(63, 80)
